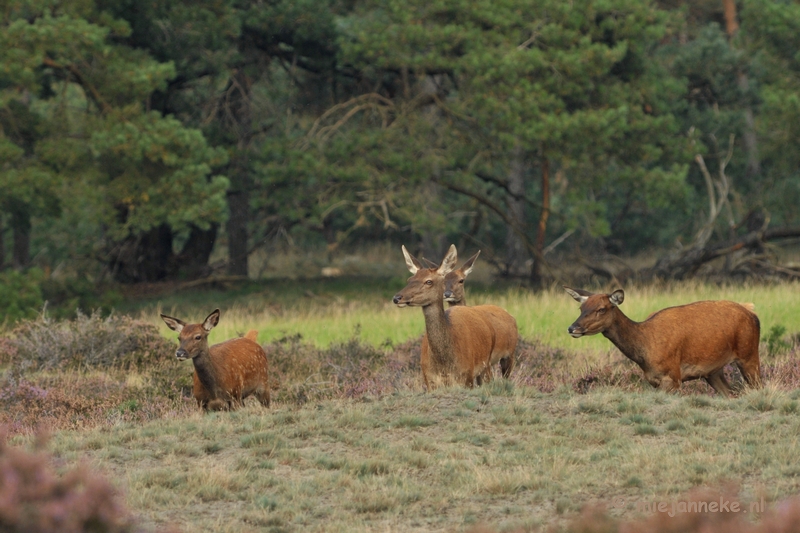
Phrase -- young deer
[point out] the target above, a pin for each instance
(677, 344)
(225, 373)
(462, 341)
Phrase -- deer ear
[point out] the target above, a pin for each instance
(449, 261)
(580, 295)
(430, 263)
(467, 268)
(173, 323)
(617, 297)
(211, 320)
(411, 262)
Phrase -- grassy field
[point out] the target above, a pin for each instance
(353, 443)
(331, 312)
(502, 456)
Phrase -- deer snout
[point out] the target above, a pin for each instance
(575, 330)
(398, 300)
(448, 295)
(181, 354)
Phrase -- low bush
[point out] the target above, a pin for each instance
(302, 372)
(35, 499)
(88, 341)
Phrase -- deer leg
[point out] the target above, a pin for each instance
(470, 379)
(751, 372)
(262, 394)
(669, 384)
(719, 383)
(216, 405)
(506, 365)
(486, 376)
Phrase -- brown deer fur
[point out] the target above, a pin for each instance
(225, 373)
(462, 341)
(677, 344)
(507, 331)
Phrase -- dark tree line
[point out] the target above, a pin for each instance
(136, 138)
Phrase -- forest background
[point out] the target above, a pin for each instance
(173, 140)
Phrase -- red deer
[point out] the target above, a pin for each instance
(454, 282)
(225, 373)
(462, 341)
(454, 295)
(677, 344)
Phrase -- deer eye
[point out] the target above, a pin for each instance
(197, 337)
(428, 282)
(601, 311)
(461, 281)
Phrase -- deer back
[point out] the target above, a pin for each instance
(703, 334)
(474, 338)
(241, 367)
(505, 330)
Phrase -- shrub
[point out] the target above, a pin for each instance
(65, 295)
(88, 341)
(775, 341)
(302, 372)
(34, 499)
(20, 294)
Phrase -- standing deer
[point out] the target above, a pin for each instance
(462, 341)
(454, 282)
(225, 373)
(454, 295)
(677, 344)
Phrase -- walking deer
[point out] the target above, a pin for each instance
(677, 344)
(225, 373)
(461, 341)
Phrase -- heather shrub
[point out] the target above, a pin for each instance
(35, 499)
(88, 341)
(99, 370)
(782, 518)
(62, 400)
(301, 372)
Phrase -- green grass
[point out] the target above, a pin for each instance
(503, 456)
(332, 311)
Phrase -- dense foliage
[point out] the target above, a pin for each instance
(137, 139)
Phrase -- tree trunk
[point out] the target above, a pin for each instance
(145, 257)
(515, 248)
(237, 119)
(749, 138)
(239, 206)
(536, 270)
(2, 244)
(21, 228)
(192, 262)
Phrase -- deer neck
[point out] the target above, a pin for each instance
(628, 336)
(440, 335)
(207, 372)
